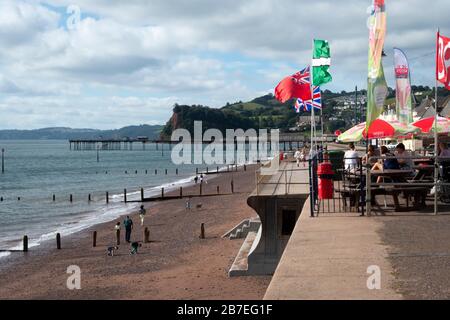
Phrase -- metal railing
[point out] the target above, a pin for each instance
(271, 174)
(348, 187)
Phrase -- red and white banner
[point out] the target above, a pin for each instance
(443, 61)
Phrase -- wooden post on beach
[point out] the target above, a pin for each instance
(232, 186)
(94, 239)
(71, 198)
(146, 235)
(245, 167)
(58, 241)
(142, 194)
(166, 172)
(181, 192)
(89, 197)
(146, 171)
(202, 231)
(1, 199)
(218, 190)
(3, 160)
(25, 243)
(54, 198)
(217, 169)
(176, 171)
(107, 197)
(156, 171)
(118, 237)
(162, 193)
(207, 170)
(196, 170)
(125, 195)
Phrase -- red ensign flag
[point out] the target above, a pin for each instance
(443, 61)
(295, 86)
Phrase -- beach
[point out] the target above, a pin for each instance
(176, 264)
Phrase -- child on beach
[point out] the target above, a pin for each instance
(142, 213)
(188, 204)
(134, 247)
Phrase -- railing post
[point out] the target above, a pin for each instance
(368, 191)
(285, 183)
(361, 191)
(257, 182)
(436, 182)
(311, 189)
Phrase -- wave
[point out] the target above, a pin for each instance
(105, 213)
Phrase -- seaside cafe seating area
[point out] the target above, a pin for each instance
(410, 189)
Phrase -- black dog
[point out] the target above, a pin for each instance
(112, 250)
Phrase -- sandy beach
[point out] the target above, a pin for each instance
(175, 265)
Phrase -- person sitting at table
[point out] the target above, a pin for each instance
(443, 151)
(403, 157)
(388, 163)
(351, 158)
(372, 152)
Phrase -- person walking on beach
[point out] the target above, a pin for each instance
(128, 224)
(142, 213)
(196, 179)
(201, 179)
(188, 204)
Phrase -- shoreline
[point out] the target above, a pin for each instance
(120, 211)
(177, 262)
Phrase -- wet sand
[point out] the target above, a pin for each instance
(175, 265)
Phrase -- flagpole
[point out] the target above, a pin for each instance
(313, 117)
(436, 140)
(321, 122)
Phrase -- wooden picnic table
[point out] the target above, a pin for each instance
(392, 173)
(424, 161)
(401, 176)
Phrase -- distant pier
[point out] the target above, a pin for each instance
(287, 141)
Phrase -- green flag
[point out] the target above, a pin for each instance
(321, 62)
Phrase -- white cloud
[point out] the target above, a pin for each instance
(199, 51)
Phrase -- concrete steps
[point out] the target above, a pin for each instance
(241, 230)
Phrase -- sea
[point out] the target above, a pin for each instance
(37, 170)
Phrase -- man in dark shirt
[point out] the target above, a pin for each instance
(128, 224)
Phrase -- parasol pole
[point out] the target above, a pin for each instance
(436, 140)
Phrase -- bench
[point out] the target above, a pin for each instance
(419, 194)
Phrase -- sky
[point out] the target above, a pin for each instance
(110, 63)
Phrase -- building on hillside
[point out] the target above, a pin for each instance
(445, 107)
(423, 107)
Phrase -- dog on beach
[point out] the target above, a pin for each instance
(199, 206)
(112, 250)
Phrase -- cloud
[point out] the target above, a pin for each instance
(193, 51)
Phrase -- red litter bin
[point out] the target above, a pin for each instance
(325, 185)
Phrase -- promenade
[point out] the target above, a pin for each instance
(329, 256)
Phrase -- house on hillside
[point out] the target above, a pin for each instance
(445, 106)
